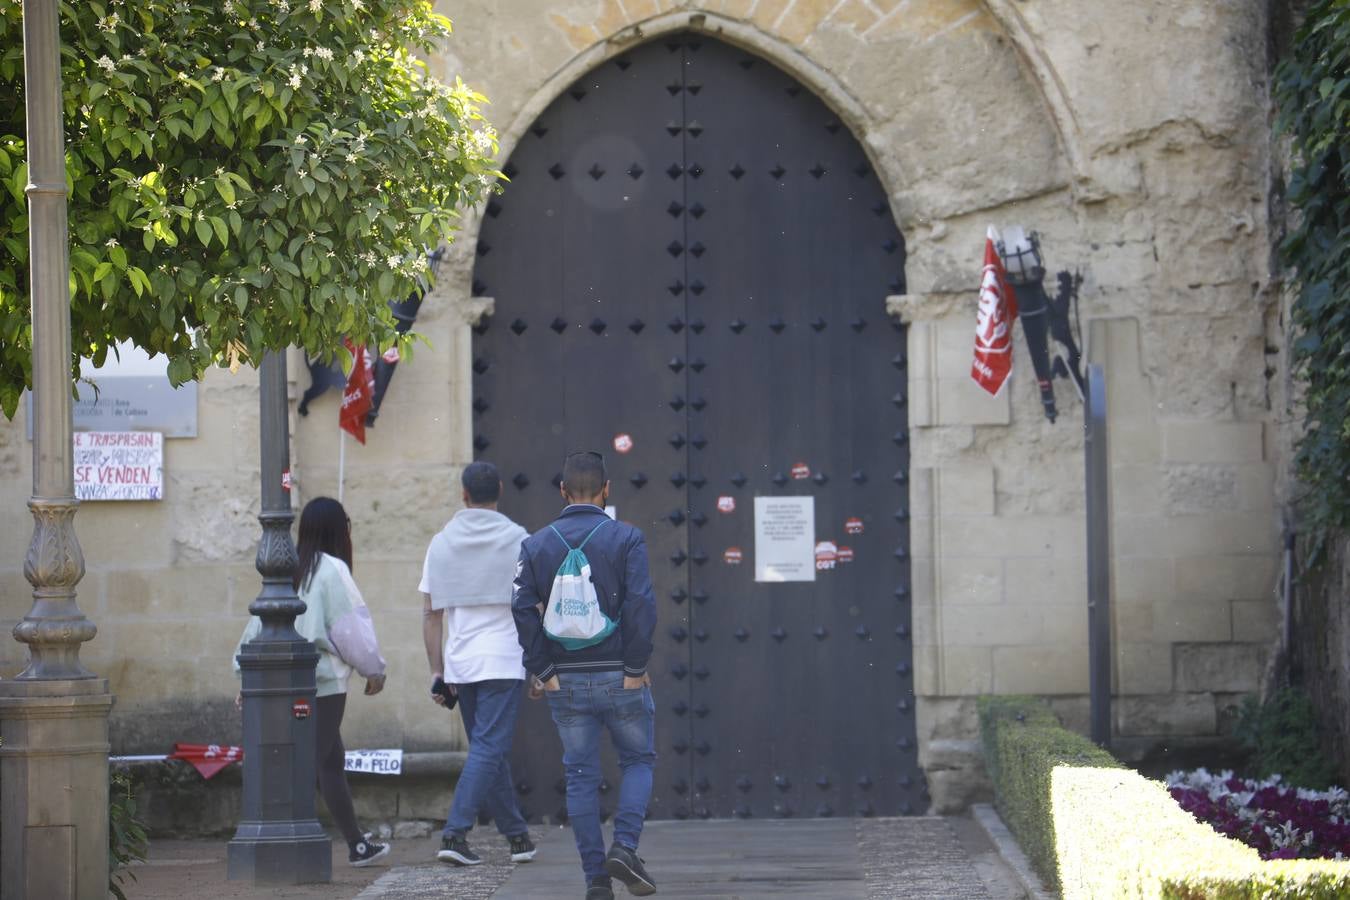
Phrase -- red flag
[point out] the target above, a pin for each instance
(208, 759)
(357, 395)
(994, 321)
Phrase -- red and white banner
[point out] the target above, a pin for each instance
(358, 395)
(994, 322)
(208, 759)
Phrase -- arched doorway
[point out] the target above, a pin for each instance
(690, 267)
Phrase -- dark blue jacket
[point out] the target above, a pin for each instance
(623, 585)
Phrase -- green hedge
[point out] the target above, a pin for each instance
(1094, 828)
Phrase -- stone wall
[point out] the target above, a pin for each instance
(1133, 137)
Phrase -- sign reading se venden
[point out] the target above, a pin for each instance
(119, 465)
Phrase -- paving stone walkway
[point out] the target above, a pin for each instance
(831, 859)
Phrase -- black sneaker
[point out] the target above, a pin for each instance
(522, 848)
(624, 865)
(366, 852)
(456, 850)
(600, 888)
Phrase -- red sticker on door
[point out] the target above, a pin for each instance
(826, 554)
(623, 442)
(726, 504)
(801, 471)
(844, 554)
(391, 356)
(732, 556)
(300, 708)
(853, 525)
(286, 481)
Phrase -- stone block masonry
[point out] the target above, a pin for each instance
(1133, 137)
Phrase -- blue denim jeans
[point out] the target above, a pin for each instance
(489, 709)
(583, 706)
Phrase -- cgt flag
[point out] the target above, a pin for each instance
(357, 395)
(994, 321)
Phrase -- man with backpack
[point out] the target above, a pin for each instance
(585, 613)
(466, 596)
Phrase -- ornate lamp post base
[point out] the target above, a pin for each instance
(53, 782)
(278, 840)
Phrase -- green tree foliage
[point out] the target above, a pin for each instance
(245, 175)
(1312, 91)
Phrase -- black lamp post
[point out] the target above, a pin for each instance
(279, 841)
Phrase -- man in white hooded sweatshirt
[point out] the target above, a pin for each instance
(466, 595)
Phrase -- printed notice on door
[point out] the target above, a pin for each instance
(119, 465)
(785, 529)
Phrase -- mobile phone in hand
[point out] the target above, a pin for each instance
(440, 687)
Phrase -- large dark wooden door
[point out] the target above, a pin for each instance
(690, 266)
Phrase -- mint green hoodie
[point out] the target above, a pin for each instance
(337, 620)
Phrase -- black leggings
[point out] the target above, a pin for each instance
(330, 759)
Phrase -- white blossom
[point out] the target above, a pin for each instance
(323, 53)
(109, 22)
(483, 138)
(351, 157)
(315, 6)
(105, 63)
(393, 262)
(218, 74)
(112, 242)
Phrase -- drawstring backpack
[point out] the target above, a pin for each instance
(573, 617)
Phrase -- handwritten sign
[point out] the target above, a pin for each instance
(119, 465)
(785, 530)
(375, 762)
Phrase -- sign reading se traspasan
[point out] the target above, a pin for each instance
(119, 465)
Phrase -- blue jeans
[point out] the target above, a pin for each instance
(584, 704)
(489, 709)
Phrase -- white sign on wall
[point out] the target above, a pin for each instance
(785, 529)
(119, 465)
(376, 762)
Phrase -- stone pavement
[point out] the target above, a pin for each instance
(830, 859)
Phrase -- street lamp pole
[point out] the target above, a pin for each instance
(279, 840)
(54, 715)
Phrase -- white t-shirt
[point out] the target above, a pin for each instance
(480, 642)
